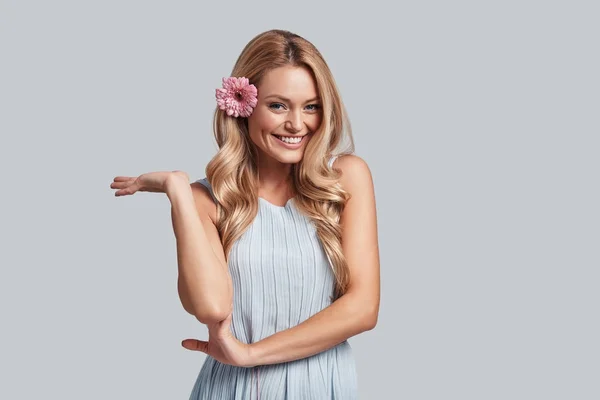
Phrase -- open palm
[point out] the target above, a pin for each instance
(148, 182)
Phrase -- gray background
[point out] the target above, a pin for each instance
(479, 121)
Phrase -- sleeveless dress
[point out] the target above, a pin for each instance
(281, 276)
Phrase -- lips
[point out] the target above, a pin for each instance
(300, 137)
(278, 136)
(291, 146)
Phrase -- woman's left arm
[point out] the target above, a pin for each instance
(357, 310)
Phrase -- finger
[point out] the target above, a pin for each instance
(120, 185)
(123, 178)
(127, 191)
(195, 345)
(128, 188)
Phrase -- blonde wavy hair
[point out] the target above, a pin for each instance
(233, 171)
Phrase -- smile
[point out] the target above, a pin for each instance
(291, 143)
(291, 140)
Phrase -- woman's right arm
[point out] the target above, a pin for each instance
(204, 283)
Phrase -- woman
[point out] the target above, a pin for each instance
(277, 247)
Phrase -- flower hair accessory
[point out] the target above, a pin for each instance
(237, 97)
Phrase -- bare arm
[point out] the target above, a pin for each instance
(204, 283)
(357, 310)
(344, 318)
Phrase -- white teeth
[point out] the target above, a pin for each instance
(289, 140)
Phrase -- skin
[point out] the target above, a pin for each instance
(357, 310)
(354, 312)
(300, 115)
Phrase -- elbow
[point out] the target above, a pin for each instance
(213, 315)
(370, 320)
(370, 323)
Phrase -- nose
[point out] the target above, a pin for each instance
(294, 123)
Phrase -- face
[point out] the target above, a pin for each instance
(288, 106)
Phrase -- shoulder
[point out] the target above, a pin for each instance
(203, 197)
(356, 175)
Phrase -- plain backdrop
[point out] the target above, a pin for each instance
(479, 121)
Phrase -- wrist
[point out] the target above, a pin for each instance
(176, 185)
(253, 355)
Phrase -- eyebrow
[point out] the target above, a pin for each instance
(289, 101)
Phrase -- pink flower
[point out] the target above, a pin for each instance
(238, 97)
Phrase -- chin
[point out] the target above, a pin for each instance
(287, 158)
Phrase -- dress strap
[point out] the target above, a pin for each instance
(204, 181)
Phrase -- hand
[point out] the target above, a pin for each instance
(222, 345)
(149, 182)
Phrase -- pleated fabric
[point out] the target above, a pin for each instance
(281, 277)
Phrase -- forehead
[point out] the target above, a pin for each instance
(295, 83)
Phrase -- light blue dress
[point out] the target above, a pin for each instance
(281, 277)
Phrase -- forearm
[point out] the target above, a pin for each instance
(344, 318)
(203, 279)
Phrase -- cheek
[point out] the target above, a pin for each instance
(266, 122)
(314, 122)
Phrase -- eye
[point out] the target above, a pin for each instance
(274, 105)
